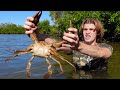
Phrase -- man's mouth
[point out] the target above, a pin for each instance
(87, 36)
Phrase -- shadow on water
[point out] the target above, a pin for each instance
(15, 68)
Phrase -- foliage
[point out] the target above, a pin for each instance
(9, 28)
(110, 20)
(44, 27)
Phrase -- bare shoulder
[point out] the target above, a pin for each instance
(105, 45)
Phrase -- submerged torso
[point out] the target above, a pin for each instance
(87, 62)
(89, 67)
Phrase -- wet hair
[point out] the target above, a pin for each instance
(99, 27)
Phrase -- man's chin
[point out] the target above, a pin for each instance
(88, 41)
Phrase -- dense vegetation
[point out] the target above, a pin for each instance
(9, 28)
(110, 20)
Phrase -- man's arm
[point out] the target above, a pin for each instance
(94, 51)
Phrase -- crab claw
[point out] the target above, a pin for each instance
(59, 44)
(37, 17)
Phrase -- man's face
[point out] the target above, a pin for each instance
(89, 33)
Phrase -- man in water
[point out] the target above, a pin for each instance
(88, 54)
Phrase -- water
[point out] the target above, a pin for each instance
(15, 68)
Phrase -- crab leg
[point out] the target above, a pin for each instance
(28, 66)
(59, 56)
(50, 66)
(19, 52)
(49, 69)
(67, 62)
(11, 57)
(58, 63)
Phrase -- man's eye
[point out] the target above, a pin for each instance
(91, 29)
(84, 29)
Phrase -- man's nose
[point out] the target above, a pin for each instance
(88, 31)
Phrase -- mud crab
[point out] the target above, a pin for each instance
(41, 49)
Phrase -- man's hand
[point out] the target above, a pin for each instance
(29, 26)
(72, 38)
